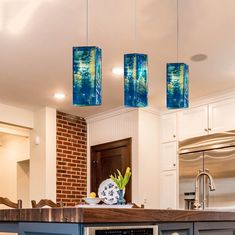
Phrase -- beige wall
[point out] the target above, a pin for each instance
(16, 116)
(13, 150)
(149, 157)
(43, 155)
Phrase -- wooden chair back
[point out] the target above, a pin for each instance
(45, 202)
(7, 202)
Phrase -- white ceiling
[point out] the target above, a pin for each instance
(37, 61)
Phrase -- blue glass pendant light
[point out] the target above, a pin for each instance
(135, 80)
(86, 76)
(177, 85)
(177, 81)
(135, 76)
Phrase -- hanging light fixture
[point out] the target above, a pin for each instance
(135, 76)
(87, 74)
(177, 80)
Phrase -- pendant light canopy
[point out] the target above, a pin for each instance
(177, 85)
(135, 80)
(86, 76)
(177, 80)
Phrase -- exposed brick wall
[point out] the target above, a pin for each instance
(71, 158)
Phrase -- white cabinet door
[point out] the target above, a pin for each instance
(168, 127)
(168, 156)
(168, 191)
(222, 116)
(193, 122)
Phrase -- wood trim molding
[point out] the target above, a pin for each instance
(205, 100)
(119, 111)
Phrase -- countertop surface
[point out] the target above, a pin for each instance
(90, 215)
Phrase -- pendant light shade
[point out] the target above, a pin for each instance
(177, 85)
(135, 80)
(86, 76)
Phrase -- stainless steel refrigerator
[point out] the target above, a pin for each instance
(214, 154)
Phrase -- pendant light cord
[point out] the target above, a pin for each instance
(135, 41)
(87, 22)
(177, 40)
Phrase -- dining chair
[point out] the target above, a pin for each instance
(7, 202)
(46, 202)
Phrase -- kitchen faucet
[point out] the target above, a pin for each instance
(197, 204)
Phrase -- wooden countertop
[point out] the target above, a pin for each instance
(88, 215)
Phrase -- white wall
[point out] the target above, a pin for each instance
(142, 127)
(43, 155)
(16, 116)
(23, 183)
(149, 157)
(12, 150)
(117, 126)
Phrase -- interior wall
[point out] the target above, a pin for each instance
(71, 159)
(16, 116)
(12, 150)
(23, 183)
(43, 155)
(116, 127)
(149, 157)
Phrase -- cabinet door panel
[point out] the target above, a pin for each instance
(176, 232)
(169, 156)
(193, 122)
(176, 229)
(216, 232)
(222, 116)
(168, 127)
(168, 189)
(214, 228)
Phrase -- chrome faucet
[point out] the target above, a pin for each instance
(201, 205)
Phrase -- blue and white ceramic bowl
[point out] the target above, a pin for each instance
(92, 201)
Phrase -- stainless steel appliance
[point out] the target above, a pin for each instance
(213, 154)
(122, 230)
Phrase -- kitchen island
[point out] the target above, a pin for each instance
(75, 220)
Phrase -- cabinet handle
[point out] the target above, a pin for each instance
(209, 129)
(175, 233)
(174, 164)
(205, 129)
(174, 136)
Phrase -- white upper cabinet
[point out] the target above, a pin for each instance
(207, 119)
(168, 127)
(193, 122)
(222, 116)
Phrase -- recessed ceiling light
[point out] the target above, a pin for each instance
(59, 96)
(198, 57)
(117, 70)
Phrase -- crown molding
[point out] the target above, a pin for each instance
(118, 111)
(204, 100)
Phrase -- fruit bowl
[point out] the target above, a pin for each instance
(92, 201)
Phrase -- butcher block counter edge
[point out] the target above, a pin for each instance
(88, 215)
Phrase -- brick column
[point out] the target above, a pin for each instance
(71, 164)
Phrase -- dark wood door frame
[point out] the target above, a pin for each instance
(112, 146)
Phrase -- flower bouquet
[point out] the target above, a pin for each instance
(121, 182)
